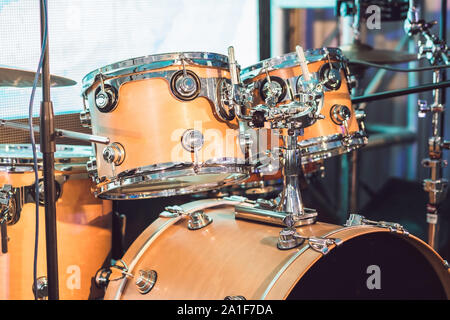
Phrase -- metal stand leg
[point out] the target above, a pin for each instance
(287, 209)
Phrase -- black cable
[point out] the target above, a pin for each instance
(35, 160)
(381, 66)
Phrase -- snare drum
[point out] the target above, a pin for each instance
(170, 130)
(339, 132)
(239, 259)
(83, 223)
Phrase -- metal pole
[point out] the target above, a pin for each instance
(48, 148)
(443, 36)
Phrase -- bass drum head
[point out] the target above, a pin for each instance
(372, 266)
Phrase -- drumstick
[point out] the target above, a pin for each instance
(303, 63)
(233, 67)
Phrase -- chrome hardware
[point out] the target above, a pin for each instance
(105, 96)
(272, 89)
(198, 220)
(172, 212)
(424, 108)
(234, 298)
(224, 108)
(8, 205)
(146, 281)
(359, 220)
(330, 76)
(8, 212)
(340, 114)
(322, 245)
(103, 276)
(192, 140)
(114, 153)
(41, 288)
(289, 239)
(85, 119)
(91, 168)
(185, 85)
(437, 189)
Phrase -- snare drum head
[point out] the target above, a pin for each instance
(231, 257)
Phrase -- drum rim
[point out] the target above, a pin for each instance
(290, 60)
(151, 62)
(321, 148)
(103, 189)
(80, 155)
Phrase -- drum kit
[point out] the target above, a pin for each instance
(193, 122)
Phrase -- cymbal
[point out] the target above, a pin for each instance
(13, 77)
(364, 52)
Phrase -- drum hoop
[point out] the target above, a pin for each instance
(371, 229)
(289, 60)
(81, 155)
(156, 61)
(320, 148)
(188, 207)
(186, 169)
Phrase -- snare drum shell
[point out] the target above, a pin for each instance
(83, 234)
(149, 122)
(234, 258)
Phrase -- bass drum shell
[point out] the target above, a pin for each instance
(233, 257)
(84, 239)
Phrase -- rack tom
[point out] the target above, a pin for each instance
(170, 130)
(339, 131)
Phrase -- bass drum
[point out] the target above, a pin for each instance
(231, 258)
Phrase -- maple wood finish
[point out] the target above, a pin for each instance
(231, 257)
(149, 122)
(84, 240)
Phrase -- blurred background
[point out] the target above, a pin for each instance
(88, 34)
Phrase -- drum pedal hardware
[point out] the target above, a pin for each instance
(359, 220)
(197, 219)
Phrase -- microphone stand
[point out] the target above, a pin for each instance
(436, 51)
(48, 148)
